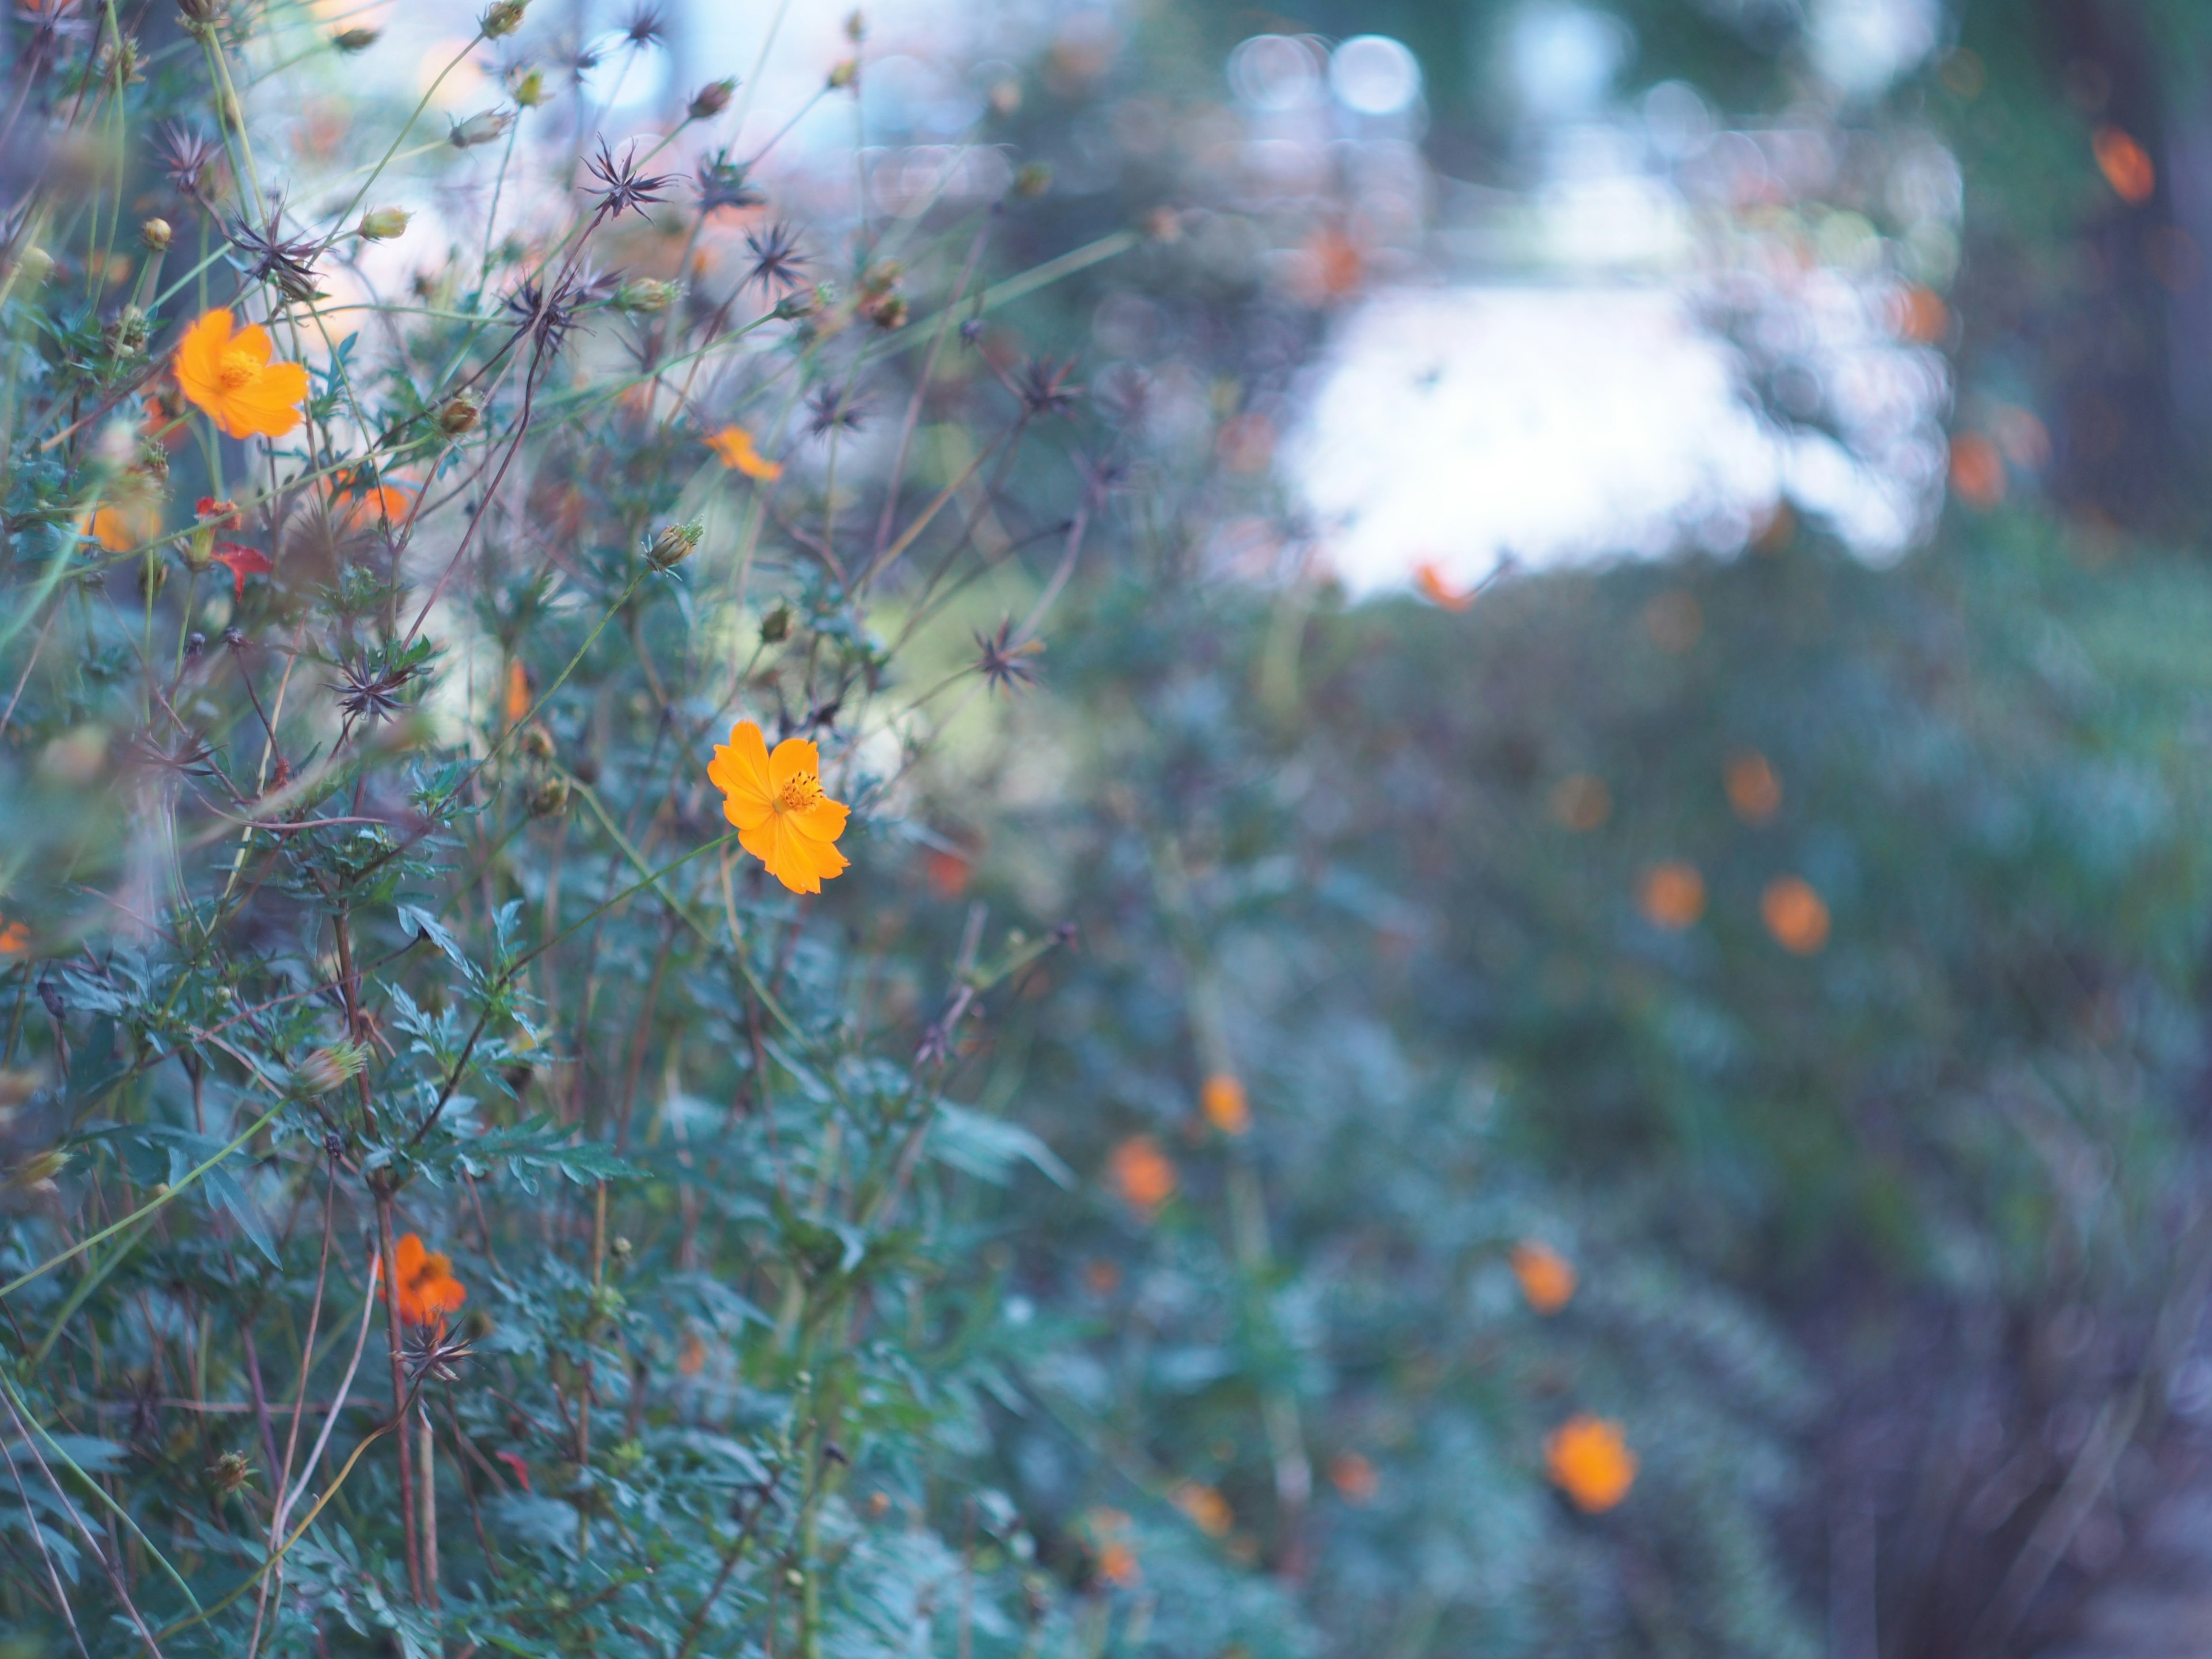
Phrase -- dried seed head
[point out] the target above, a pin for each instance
(353, 40)
(458, 413)
(155, 233)
(480, 129)
(674, 544)
(326, 1069)
(551, 797)
(645, 295)
(537, 741)
(502, 19)
(712, 99)
(382, 224)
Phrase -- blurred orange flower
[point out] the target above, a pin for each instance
(1977, 473)
(1221, 1097)
(15, 939)
(2126, 164)
(1117, 1565)
(1429, 578)
(775, 800)
(228, 374)
(1354, 1476)
(1208, 1510)
(1753, 790)
(1587, 1458)
(1581, 802)
(517, 700)
(734, 445)
(1672, 895)
(1548, 1278)
(1142, 1173)
(1795, 915)
(428, 1290)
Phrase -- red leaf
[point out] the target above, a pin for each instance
(243, 562)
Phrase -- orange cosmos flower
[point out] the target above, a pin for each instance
(1208, 1510)
(2127, 167)
(1354, 1476)
(1587, 1458)
(775, 800)
(1977, 471)
(734, 445)
(15, 939)
(1142, 1173)
(428, 1290)
(517, 698)
(228, 374)
(1548, 1278)
(1222, 1099)
(1795, 915)
(1672, 895)
(1429, 578)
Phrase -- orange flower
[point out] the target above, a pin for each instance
(2126, 164)
(775, 800)
(120, 528)
(1795, 915)
(1587, 1458)
(1977, 471)
(1222, 1099)
(229, 375)
(1208, 1510)
(1581, 802)
(1548, 1278)
(1429, 578)
(428, 1290)
(1142, 1173)
(1672, 895)
(15, 939)
(517, 699)
(1117, 1565)
(1753, 790)
(1354, 1476)
(734, 445)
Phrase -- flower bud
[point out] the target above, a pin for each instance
(712, 99)
(382, 224)
(537, 741)
(856, 26)
(1033, 180)
(353, 40)
(326, 1069)
(36, 1173)
(845, 74)
(674, 544)
(126, 335)
(230, 1472)
(550, 798)
(775, 626)
(480, 129)
(155, 233)
(32, 266)
(458, 413)
(198, 16)
(802, 302)
(503, 18)
(887, 310)
(153, 572)
(530, 88)
(645, 295)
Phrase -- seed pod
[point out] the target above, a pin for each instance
(712, 99)
(480, 129)
(645, 296)
(537, 741)
(382, 224)
(674, 544)
(775, 626)
(155, 233)
(845, 75)
(503, 18)
(550, 798)
(458, 413)
(353, 40)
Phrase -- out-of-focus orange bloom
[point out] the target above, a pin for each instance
(1117, 1565)
(1795, 915)
(1429, 579)
(1354, 1478)
(1672, 895)
(1587, 1458)
(1920, 315)
(1142, 1173)
(1208, 1510)
(691, 1354)
(1977, 473)
(1102, 1276)
(1753, 789)
(1581, 802)
(1221, 1097)
(121, 526)
(2126, 164)
(15, 939)
(1332, 266)
(1548, 1278)
(229, 375)
(735, 446)
(428, 1290)
(948, 872)
(516, 702)
(776, 802)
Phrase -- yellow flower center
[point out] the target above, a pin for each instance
(799, 794)
(236, 368)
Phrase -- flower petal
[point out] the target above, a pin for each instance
(748, 750)
(253, 340)
(823, 822)
(793, 756)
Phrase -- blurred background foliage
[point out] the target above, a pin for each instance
(1799, 943)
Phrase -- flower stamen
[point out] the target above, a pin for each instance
(799, 793)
